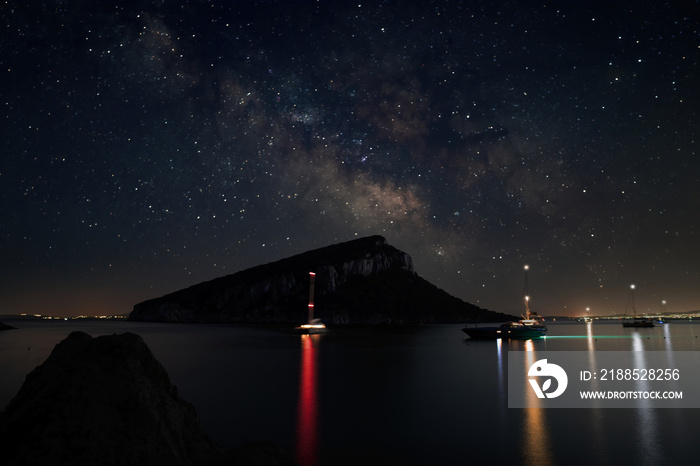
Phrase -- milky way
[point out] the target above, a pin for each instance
(149, 146)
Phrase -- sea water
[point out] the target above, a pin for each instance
(413, 396)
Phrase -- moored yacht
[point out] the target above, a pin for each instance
(529, 327)
(509, 330)
(531, 319)
(313, 325)
(636, 322)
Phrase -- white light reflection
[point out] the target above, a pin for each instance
(667, 339)
(647, 422)
(668, 345)
(597, 417)
(592, 362)
(502, 389)
(501, 374)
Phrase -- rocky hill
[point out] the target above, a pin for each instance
(365, 281)
(102, 401)
(5, 327)
(108, 401)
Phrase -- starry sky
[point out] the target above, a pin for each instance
(149, 146)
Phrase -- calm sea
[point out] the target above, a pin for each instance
(420, 396)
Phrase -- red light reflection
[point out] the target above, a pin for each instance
(307, 406)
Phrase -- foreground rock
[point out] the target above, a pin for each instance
(5, 327)
(103, 401)
(365, 281)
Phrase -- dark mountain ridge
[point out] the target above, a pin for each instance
(364, 281)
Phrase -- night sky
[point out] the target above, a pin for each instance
(149, 146)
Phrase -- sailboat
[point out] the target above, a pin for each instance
(530, 319)
(313, 325)
(509, 330)
(637, 322)
(528, 328)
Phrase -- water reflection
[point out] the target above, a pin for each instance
(536, 445)
(592, 360)
(647, 422)
(667, 338)
(501, 370)
(502, 392)
(597, 418)
(307, 405)
(589, 336)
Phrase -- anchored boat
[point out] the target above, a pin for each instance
(636, 322)
(511, 330)
(530, 319)
(529, 327)
(312, 325)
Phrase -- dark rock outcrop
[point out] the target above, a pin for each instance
(105, 401)
(4, 326)
(365, 281)
(108, 401)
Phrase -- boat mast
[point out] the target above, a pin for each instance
(631, 300)
(312, 277)
(526, 297)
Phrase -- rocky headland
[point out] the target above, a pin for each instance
(108, 401)
(365, 281)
